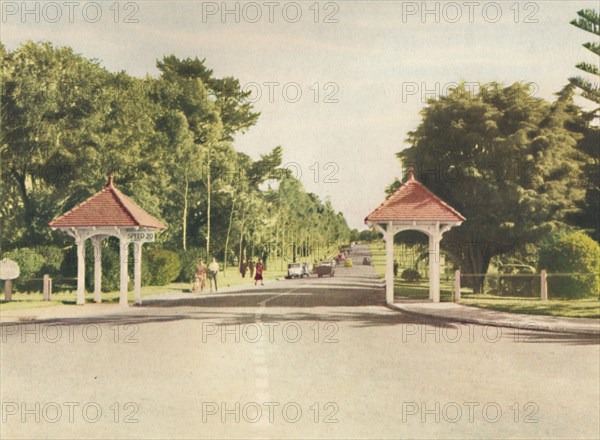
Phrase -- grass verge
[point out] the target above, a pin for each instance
(572, 308)
(25, 300)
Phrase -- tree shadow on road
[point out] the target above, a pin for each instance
(361, 307)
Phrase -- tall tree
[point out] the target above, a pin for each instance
(589, 21)
(502, 158)
(66, 122)
(234, 108)
(588, 216)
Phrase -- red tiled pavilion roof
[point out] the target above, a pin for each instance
(109, 207)
(413, 202)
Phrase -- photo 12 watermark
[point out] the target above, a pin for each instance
(425, 92)
(271, 412)
(469, 12)
(270, 332)
(456, 332)
(471, 171)
(320, 172)
(292, 92)
(70, 412)
(271, 12)
(52, 333)
(469, 412)
(70, 12)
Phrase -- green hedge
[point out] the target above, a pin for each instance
(53, 259)
(571, 253)
(30, 262)
(189, 260)
(162, 267)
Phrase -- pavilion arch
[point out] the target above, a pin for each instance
(109, 213)
(414, 208)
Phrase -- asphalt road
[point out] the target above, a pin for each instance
(310, 358)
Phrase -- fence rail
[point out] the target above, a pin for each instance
(43, 284)
(516, 283)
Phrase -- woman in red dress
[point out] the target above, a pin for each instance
(259, 273)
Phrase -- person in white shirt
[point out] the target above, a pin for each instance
(213, 270)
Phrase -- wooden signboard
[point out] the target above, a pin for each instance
(9, 270)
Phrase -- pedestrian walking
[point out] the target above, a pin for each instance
(259, 273)
(213, 270)
(199, 277)
(243, 268)
(251, 267)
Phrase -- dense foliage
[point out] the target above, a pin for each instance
(568, 254)
(30, 262)
(162, 267)
(517, 167)
(67, 122)
(508, 161)
(588, 215)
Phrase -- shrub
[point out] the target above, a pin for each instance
(53, 258)
(163, 266)
(111, 270)
(571, 253)
(410, 275)
(68, 267)
(30, 262)
(189, 260)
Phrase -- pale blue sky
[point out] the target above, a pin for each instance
(369, 61)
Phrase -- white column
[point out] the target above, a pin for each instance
(80, 241)
(137, 273)
(434, 265)
(389, 265)
(123, 257)
(97, 243)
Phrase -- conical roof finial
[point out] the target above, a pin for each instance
(411, 173)
(109, 183)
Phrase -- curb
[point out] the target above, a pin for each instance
(532, 326)
(32, 318)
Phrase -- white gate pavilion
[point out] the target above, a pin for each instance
(414, 207)
(109, 213)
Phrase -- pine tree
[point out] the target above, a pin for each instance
(589, 21)
(589, 213)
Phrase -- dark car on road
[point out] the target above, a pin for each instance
(326, 268)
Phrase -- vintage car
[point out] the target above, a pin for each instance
(346, 249)
(298, 270)
(367, 261)
(348, 262)
(326, 268)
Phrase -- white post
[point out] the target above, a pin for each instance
(389, 265)
(123, 256)
(80, 241)
(457, 286)
(7, 290)
(544, 285)
(434, 266)
(97, 243)
(46, 287)
(137, 273)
